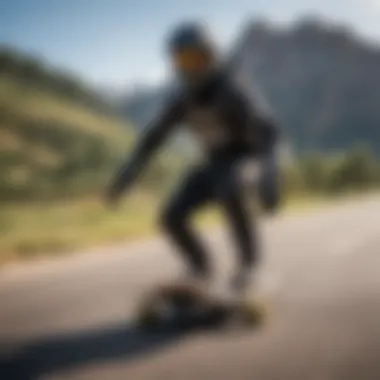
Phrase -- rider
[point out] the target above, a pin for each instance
(231, 128)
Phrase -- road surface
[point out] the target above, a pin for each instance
(69, 318)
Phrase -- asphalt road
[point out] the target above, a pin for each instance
(70, 318)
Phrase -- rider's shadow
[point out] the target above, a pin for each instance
(68, 351)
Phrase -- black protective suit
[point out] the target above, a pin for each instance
(231, 129)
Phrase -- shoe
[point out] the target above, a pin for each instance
(199, 281)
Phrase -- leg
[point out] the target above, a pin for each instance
(243, 227)
(193, 193)
(269, 186)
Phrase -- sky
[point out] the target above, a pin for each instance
(120, 43)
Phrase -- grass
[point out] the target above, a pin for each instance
(31, 231)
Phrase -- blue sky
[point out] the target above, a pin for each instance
(121, 42)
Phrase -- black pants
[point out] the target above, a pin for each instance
(216, 181)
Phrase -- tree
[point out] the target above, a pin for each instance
(359, 170)
(314, 172)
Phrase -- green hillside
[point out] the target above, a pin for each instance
(51, 144)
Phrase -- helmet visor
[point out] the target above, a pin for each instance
(191, 60)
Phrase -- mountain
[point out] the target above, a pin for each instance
(141, 105)
(322, 81)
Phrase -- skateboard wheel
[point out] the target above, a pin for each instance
(149, 321)
(254, 313)
(148, 315)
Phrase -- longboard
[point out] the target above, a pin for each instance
(189, 307)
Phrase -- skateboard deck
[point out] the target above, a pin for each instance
(189, 307)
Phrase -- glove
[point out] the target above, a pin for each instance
(123, 181)
(111, 197)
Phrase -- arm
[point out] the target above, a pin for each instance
(265, 137)
(269, 134)
(153, 138)
(247, 111)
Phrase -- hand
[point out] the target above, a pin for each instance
(119, 186)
